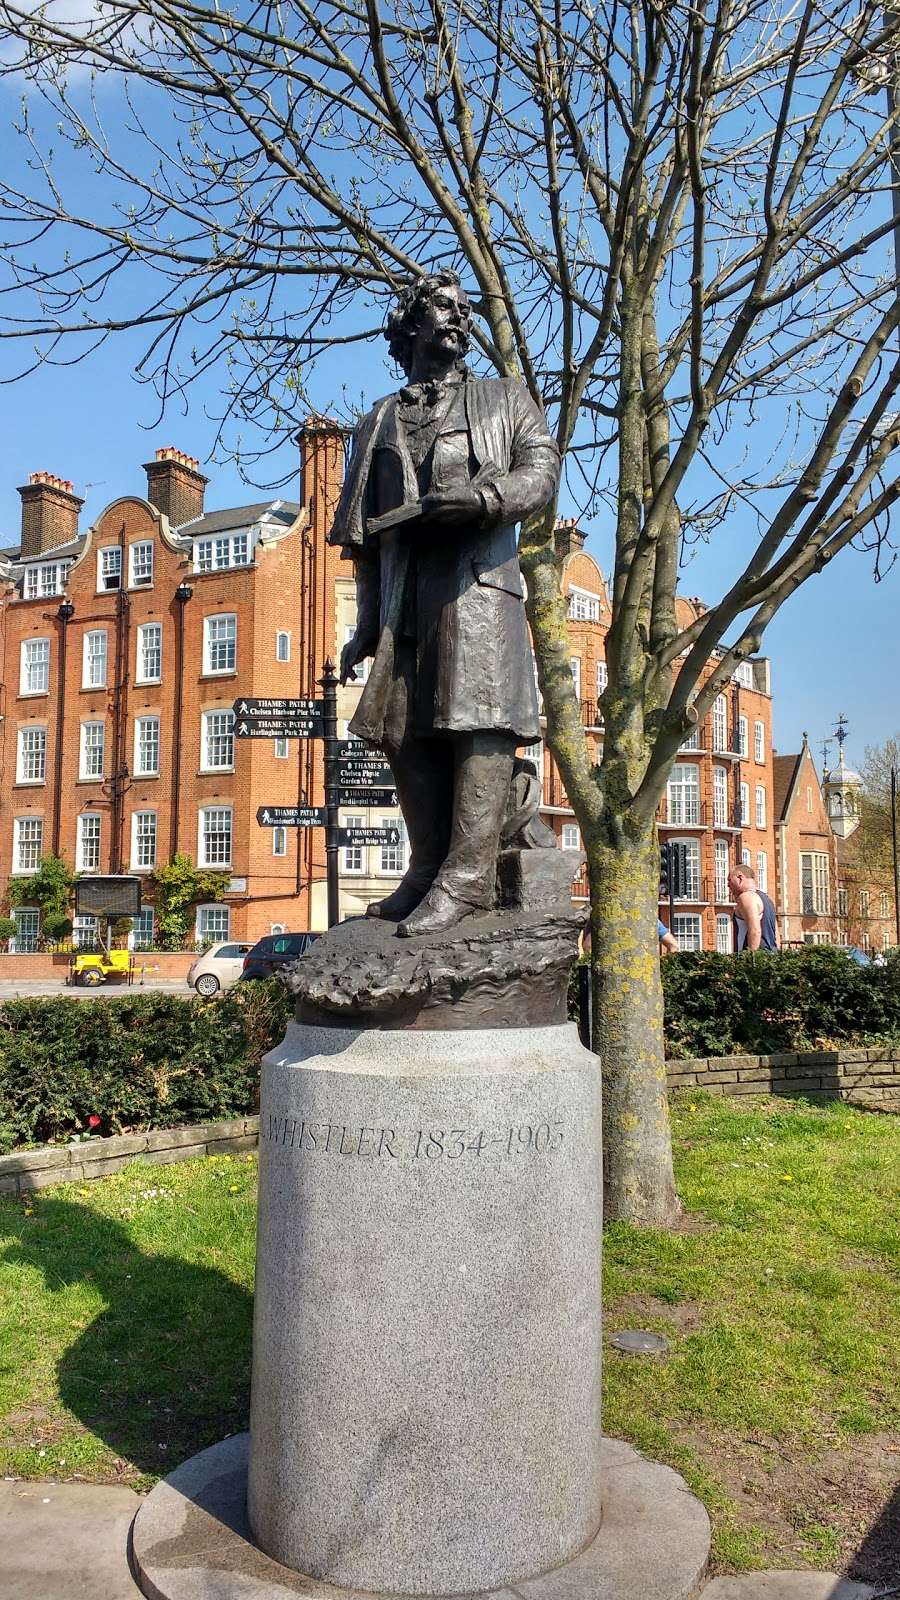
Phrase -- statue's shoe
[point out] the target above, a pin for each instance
(439, 910)
(394, 907)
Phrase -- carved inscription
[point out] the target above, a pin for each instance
(338, 1139)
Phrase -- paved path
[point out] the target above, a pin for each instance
(66, 1541)
(32, 988)
(69, 1541)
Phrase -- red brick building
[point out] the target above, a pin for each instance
(719, 799)
(122, 649)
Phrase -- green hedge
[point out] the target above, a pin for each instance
(142, 1061)
(809, 999)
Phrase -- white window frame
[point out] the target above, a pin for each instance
(109, 568)
(209, 739)
(144, 578)
(683, 795)
(759, 742)
(279, 841)
(31, 754)
(141, 937)
(219, 552)
(743, 739)
(584, 605)
(760, 805)
(602, 679)
(30, 917)
(28, 832)
(724, 933)
(88, 859)
(865, 901)
(142, 858)
(353, 862)
(282, 749)
(362, 668)
(34, 666)
(85, 931)
(45, 579)
(688, 930)
(212, 647)
(720, 797)
(87, 769)
(143, 651)
(535, 753)
(762, 871)
(95, 660)
(389, 853)
(843, 903)
(745, 805)
(884, 903)
(746, 858)
(815, 895)
(575, 666)
(282, 645)
(720, 723)
(571, 836)
(141, 768)
(722, 867)
(215, 912)
(205, 833)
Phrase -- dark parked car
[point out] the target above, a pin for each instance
(274, 951)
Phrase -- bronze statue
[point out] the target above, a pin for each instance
(439, 476)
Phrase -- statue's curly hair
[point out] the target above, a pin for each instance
(403, 322)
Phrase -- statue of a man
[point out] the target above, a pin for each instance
(438, 477)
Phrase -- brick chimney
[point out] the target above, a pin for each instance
(50, 510)
(568, 536)
(175, 485)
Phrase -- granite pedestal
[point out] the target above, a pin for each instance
(426, 1357)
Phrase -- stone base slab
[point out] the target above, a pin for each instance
(191, 1539)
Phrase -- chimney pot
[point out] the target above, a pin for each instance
(567, 536)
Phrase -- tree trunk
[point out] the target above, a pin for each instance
(628, 1032)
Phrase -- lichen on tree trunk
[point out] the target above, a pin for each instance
(628, 1033)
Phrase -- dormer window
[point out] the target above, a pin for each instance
(45, 579)
(583, 606)
(109, 568)
(215, 555)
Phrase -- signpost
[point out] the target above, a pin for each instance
(389, 835)
(354, 775)
(291, 816)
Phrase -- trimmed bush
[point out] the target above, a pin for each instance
(807, 999)
(142, 1061)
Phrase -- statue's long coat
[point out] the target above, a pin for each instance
(474, 665)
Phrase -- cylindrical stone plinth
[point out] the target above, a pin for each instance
(425, 1410)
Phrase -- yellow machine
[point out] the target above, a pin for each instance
(91, 968)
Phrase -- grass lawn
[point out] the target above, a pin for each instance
(125, 1323)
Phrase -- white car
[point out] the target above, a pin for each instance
(218, 968)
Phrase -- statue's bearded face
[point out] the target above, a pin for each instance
(444, 324)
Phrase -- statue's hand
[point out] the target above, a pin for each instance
(461, 505)
(356, 649)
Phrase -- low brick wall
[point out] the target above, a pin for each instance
(863, 1076)
(168, 964)
(97, 1158)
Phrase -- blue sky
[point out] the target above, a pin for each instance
(835, 647)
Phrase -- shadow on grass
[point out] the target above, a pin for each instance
(164, 1369)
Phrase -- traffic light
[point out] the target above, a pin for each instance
(664, 870)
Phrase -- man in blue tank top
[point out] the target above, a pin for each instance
(754, 912)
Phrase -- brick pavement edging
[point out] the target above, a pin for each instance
(97, 1158)
(861, 1075)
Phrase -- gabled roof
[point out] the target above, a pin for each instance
(785, 770)
(235, 518)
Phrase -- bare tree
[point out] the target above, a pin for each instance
(674, 220)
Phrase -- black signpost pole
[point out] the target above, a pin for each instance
(329, 685)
